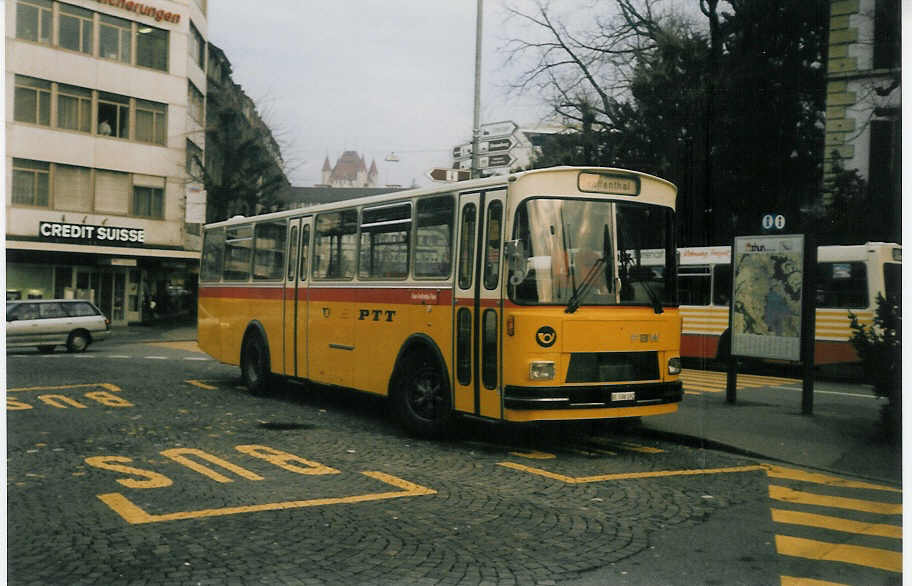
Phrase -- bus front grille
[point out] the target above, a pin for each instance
(610, 367)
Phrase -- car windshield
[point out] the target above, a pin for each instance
(591, 252)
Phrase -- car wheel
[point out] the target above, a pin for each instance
(46, 349)
(255, 365)
(77, 342)
(422, 397)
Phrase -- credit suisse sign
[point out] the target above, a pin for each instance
(91, 234)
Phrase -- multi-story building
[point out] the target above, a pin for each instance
(864, 108)
(105, 118)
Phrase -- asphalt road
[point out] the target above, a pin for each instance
(148, 464)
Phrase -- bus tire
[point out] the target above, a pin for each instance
(421, 396)
(255, 364)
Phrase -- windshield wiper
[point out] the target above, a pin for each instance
(578, 294)
(653, 297)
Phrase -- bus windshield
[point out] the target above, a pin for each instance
(584, 252)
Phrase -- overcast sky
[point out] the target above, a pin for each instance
(377, 77)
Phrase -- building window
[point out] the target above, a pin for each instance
(113, 115)
(151, 122)
(32, 101)
(74, 28)
(115, 38)
(33, 21)
(112, 190)
(197, 47)
(31, 183)
(74, 108)
(72, 188)
(149, 202)
(195, 102)
(194, 161)
(152, 47)
(887, 45)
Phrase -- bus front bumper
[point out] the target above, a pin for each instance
(597, 397)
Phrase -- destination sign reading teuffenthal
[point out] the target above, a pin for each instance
(91, 234)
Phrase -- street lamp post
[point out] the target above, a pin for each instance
(476, 124)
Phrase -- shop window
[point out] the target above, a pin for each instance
(151, 121)
(269, 247)
(335, 241)
(115, 37)
(433, 237)
(385, 235)
(113, 115)
(74, 28)
(152, 47)
(74, 108)
(72, 188)
(32, 101)
(31, 183)
(33, 21)
(194, 161)
(148, 202)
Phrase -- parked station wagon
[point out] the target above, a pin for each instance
(48, 323)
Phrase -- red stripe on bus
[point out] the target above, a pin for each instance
(401, 296)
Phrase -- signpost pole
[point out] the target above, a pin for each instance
(476, 123)
(808, 323)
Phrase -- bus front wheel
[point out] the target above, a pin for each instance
(422, 397)
(255, 365)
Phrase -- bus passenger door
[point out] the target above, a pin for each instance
(464, 376)
(295, 305)
(489, 306)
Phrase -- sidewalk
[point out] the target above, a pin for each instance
(841, 436)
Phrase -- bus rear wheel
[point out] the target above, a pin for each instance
(255, 365)
(422, 398)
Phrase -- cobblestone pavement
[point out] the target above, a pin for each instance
(164, 471)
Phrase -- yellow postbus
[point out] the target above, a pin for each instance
(521, 298)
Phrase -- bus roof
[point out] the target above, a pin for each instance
(497, 180)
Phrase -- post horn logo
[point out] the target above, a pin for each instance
(546, 336)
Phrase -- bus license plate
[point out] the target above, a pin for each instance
(627, 396)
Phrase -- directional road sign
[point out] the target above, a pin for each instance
(448, 175)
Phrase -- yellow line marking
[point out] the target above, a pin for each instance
(191, 346)
(790, 581)
(201, 384)
(881, 559)
(836, 524)
(781, 493)
(534, 455)
(816, 478)
(135, 515)
(107, 386)
(626, 475)
(629, 446)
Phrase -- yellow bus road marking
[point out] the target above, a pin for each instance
(134, 515)
(781, 493)
(107, 386)
(790, 581)
(707, 389)
(629, 446)
(190, 346)
(817, 478)
(201, 384)
(836, 524)
(881, 559)
(534, 455)
(625, 475)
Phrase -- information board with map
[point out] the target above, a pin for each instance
(766, 304)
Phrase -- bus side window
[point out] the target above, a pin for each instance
(722, 285)
(238, 253)
(213, 250)
(434, 237)
(269, 246)
(694, 285)
(292, 253)
(842, 284)
(335, 243)
(305, 248)
(492, 246)
(467, 246)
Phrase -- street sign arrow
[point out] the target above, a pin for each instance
(505, 128)
(448, 175)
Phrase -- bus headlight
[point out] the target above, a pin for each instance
(541, 371)
(674, 366)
